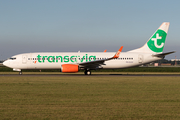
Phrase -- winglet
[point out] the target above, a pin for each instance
(105, 50)
(118, 52)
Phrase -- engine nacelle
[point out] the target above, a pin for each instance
(69, 68)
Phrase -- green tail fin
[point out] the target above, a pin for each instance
(156, 42)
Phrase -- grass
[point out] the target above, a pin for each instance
(89, 97)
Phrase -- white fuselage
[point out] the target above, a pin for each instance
(54, 60)
(70, 62)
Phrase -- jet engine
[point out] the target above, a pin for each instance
(69, 68)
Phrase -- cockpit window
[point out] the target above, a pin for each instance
(12, 58)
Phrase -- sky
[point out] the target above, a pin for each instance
(85, 25)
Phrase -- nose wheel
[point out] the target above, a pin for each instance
(87, 72)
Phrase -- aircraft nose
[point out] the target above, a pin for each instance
(6, 63)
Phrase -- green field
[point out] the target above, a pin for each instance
(89, 97)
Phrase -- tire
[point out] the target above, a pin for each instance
(88, 72)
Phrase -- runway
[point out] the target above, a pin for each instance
(93, 75)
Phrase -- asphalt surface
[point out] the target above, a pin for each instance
(82, 75)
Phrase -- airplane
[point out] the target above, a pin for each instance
(72, 62)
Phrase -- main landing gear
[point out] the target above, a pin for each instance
(87, 72)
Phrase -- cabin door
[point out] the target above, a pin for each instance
(24, 59)
(140, 58)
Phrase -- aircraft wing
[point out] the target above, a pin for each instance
(163, 54)
(96, 63)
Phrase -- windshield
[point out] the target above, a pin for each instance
(12, 58)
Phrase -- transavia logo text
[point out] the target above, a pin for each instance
(53, 59)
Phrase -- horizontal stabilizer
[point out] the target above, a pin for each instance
(163, 54)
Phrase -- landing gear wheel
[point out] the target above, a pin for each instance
(87, 72)
(20, 73)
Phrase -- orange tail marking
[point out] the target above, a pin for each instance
(105, 50)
